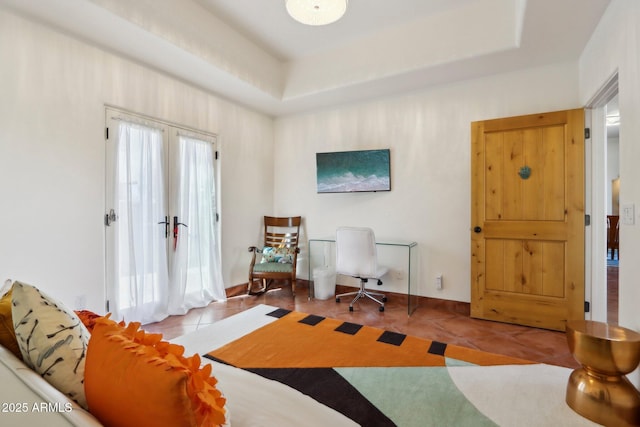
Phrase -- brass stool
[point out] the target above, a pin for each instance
(599, 390)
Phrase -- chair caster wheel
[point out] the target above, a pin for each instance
(381, 308)
(337, 299)
(384, 299)
(350, 308)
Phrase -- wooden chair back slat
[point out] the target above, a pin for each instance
(280, 240)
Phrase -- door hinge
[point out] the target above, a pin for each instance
(106, 133)
(587, 306)
(216, 154)
(217, 217)
(106, 305)
(587, 133)
(587, 220)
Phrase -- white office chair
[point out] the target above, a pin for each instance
(356, 256)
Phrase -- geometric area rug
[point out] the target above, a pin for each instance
(372, 376)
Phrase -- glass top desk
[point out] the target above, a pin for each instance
(401, 258)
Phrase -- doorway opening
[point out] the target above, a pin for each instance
(603, 177)
(612, 198)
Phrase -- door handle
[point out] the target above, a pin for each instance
(166, 226)
(176, 224)
(477, 229)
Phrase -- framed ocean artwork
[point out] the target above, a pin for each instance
(353, 171)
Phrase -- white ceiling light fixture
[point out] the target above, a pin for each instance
(316, 12)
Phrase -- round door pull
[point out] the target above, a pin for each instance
(477, 229)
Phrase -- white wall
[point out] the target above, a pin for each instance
(615, 46)
(53, 90)
(429, 137)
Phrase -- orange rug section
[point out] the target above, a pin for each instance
(289, 343)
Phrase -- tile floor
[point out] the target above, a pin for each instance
(439, 320)
(612, 295)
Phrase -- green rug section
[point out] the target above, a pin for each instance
(455, 362)
(429, 392)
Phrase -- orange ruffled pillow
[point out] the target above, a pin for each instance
(133, 378)
(88, 318)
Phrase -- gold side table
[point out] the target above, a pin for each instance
(599, 390)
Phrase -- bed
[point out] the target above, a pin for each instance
(455, 392)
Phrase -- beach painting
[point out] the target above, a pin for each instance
(353, 171)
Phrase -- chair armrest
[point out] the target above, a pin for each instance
(254, 250)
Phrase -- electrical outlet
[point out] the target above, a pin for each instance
(439, 281)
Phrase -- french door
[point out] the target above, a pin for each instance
(162, 246)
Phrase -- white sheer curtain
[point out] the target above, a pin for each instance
(141, 274)
(196, 278)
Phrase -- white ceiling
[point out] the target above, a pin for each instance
(267, 23)
(252, 52)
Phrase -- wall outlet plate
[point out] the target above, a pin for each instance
(628, 216)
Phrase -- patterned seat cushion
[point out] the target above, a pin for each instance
(273, 267)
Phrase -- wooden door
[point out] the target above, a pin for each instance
(527, 219)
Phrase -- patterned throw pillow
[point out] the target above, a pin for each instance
(281, 255)
(52, 339)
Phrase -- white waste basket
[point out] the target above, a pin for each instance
(324, 282)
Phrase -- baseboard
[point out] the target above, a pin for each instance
(426, 302)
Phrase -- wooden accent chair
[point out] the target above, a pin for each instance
(279, 253)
